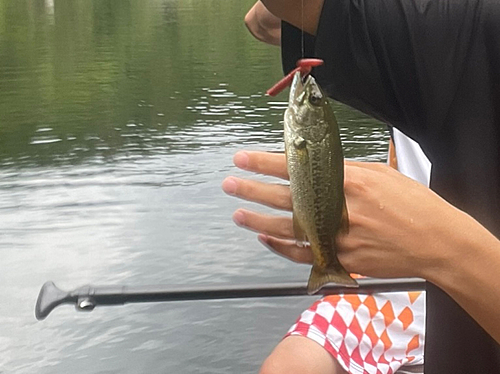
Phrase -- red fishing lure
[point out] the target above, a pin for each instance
(304, 65)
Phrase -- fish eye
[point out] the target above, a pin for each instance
(315, 99)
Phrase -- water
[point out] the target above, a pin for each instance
(118, 122)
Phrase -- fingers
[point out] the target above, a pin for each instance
(375, 166)
(281, 227)
(273, 195)
(267, 163)
(365, 164)
(288, 249)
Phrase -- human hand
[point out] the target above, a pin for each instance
(397, 225)
(276, 232)
(304, 15)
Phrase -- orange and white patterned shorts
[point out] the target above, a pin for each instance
(372, 334)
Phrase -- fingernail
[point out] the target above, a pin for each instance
(240, 159)
(239, 218)
(229, 186)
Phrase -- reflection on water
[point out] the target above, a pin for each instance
(118, 121)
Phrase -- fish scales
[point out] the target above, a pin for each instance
(315, 165)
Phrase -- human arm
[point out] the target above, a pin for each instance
(263, 25)
(398, 228)
(303, 14)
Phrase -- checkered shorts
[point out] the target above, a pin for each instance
(372, 334)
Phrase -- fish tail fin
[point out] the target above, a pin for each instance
(321, 276)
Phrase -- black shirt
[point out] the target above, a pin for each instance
(431, 68)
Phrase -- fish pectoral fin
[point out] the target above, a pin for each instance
(321, 276)
(299, 234)
(344, 223)
(299, 142)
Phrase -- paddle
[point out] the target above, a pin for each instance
(88, 297)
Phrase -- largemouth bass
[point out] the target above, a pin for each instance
(315, 164)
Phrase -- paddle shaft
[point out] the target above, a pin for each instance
(88, 297)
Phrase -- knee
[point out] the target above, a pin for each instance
(299, 355)
(278, 364)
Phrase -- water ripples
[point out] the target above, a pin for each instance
(217, 117)
(118, 124)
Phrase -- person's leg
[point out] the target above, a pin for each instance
(300, 355)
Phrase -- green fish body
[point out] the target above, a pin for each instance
(315, 165)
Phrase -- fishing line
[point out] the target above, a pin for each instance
(302, 30)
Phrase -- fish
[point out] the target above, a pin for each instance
(315, 164)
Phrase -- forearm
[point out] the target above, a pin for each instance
(263, 25)
(303, 14)
(393, 217)
(468, 269)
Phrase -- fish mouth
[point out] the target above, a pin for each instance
(297, 87)
(303, 88)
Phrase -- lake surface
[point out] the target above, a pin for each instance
(118, 122)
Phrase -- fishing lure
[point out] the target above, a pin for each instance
(304, 65)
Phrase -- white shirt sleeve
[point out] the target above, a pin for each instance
(412, 161)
